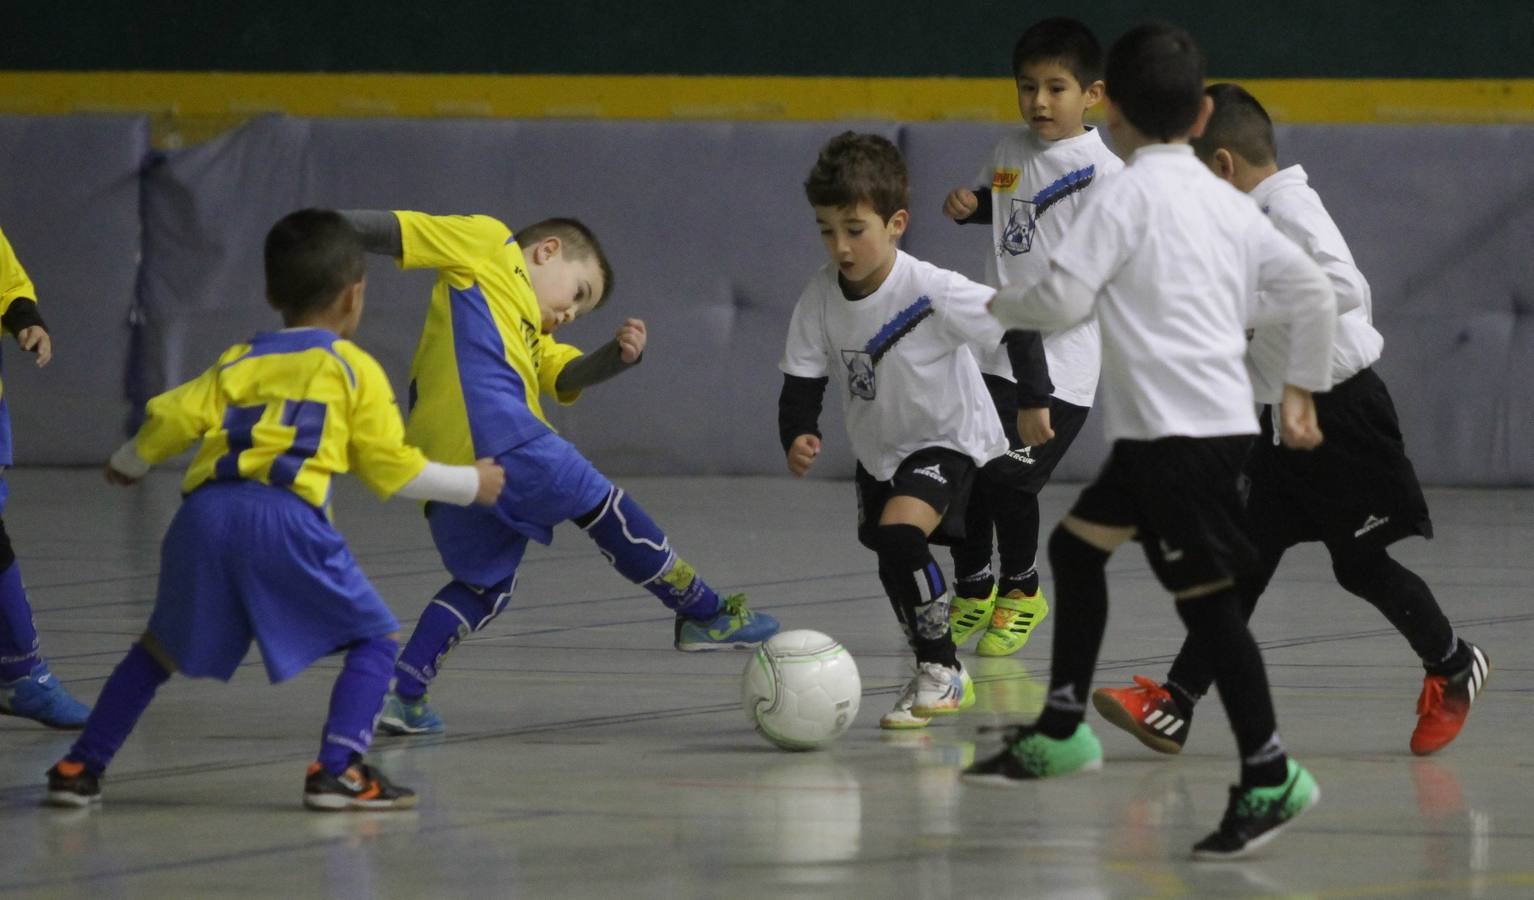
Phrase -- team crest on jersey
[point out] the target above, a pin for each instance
(860, 373)
(1023, 218)
(860, 363)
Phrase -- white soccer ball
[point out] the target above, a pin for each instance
(801, 689)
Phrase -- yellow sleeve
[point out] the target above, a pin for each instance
(452, 244)
(182, 415)
(14, 282)
(553, 357)
(377, 452)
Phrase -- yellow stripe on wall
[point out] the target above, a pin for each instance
(212, 94)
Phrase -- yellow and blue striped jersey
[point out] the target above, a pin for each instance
(14, 284)
(482, 360)
(288, 408)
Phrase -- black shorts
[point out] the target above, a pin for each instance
(1358, 488)
(1179, 494)
(1027, 469)
(936, 475)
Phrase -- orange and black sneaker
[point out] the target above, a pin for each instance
(360, 787)
(1445, 704)
(69, 784)
(1146, 711)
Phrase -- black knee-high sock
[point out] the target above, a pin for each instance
(917, 591)
(972, 575)
(1081, 615)
(1190, 677)
(1404, 599)
(1017, 541)
(1217, 632)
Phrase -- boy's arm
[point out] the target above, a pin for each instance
(1059, 301)
(18, 306)
(969, 207)
(420, 241)
(173, 421)
(379, 229)
(799, 405)
(618, 355)
(1025, 350)
(1292, 290)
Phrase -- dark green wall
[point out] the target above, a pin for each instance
(1306, 38)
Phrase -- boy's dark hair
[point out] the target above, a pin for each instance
(579, 243)
(856, 167)
(1155, 76)
(1061, 40)
(1239, 124)
(312, 255)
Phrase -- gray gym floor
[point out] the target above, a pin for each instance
(585, 758)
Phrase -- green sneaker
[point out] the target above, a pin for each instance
(1255, 816)
(405, 717)
(1013, 620)
(733, 627)
(968, 614)
(1030, 755)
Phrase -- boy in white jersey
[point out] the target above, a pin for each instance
(1037, 179)
(1175, 264)
(896, 334)
(251, 554)
(1357, 493)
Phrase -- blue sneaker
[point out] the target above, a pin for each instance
(401, 716)
(733, 627)
(40, 697)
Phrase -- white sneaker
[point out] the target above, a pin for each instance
(941, 691)
(901, 717)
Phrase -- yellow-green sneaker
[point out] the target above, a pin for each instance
(1013, 620)
(968, 615)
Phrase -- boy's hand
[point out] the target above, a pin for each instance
(35, 339)
(115, 477)
(631, 339)
(1298, 426)
(491, 479)
(1033, 426)
(802, 453)
(960, 204)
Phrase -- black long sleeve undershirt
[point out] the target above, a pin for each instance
(982, 213)
(20, 315)
(1025, 349)
(799, 407)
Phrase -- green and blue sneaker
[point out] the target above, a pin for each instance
(1256, 815)
(401, 716)
(1029, 755)
(733, 627)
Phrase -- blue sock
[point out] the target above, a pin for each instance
(123, 699)
(18, 636)
(356, 701)
(457, 611)
(639, 550)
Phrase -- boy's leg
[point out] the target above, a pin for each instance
(75, 779)
(339, 779)
(27, 688)
(637, 547)
(458, 610)
(1456, 669)
(974, 583)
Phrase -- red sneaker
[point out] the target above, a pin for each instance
(1146, 711)
(1445, 702)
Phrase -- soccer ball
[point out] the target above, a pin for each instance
(801, 689)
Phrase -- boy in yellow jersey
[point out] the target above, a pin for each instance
(251, 553)
(486, 354)
(27, 689)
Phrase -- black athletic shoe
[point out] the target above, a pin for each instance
(1255, 816)
(70, 785)
(360, 787)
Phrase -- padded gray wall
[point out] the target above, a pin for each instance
(712, 243)
(69, 204)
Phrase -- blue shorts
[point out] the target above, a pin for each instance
(548, 481)
(245, 561)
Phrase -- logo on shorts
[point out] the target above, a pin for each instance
(1168, 552)
(933, 472)
(1370, 524)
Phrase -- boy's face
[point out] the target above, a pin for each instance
(567, 287)
(859, 242)
(1052, 101)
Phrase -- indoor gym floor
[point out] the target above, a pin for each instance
(586, 758)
